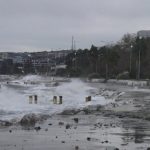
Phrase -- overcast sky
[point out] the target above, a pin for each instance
(34, 25)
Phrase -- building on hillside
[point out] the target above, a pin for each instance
(17, 58)
(144, 33)
(3, 56)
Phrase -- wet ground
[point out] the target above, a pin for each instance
(123, 124)
(91, 132)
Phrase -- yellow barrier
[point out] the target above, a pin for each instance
(88, 99)
(30, 99)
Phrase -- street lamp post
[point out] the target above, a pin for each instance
(139, 60)
(106, 64)
(74, 60)
(107, 45)
(131, 59)
(139, 64)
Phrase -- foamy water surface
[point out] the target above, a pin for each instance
(14, 95)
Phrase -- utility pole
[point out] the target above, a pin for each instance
(74, 45)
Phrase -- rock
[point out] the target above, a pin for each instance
(56, 84)
(76, 120)
(61, 123)
(116, 149)
(76, 147)
(69, 112)
(106, 141)
(148, 148)
(32, 119)
(10, 131)
(68, 126)
(88, 139)
(62, 141)
(92, 109)
(29, 119)
(37, 128)
(46, 129)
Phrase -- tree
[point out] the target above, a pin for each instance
(127, 40)
(93, 57)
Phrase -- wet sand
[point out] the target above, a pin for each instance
(92, 132)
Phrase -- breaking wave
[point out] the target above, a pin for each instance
(14, 95)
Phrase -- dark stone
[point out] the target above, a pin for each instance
(148, 148)
(106, 141)
(29, 119)
(61, 123)
(37, 128)
(88, 139)
(76, 120)
(56, 84)
(62, 141)
(10, 131)
(76, 147)
(68, 126)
